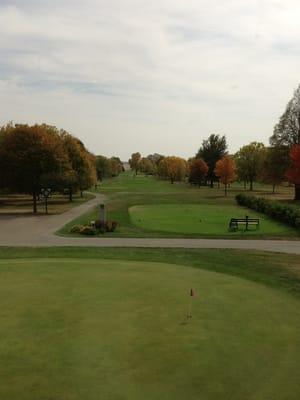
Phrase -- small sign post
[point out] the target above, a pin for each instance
(46, 194)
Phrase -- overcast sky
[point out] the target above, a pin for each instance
(149, 76)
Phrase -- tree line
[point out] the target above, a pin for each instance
(42, 156)
(212, 164)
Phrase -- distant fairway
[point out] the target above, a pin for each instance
(110, 329)
(145, 206)
(205, 219)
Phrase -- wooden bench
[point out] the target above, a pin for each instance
(235, 222)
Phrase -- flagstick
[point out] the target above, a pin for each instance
(192, 294)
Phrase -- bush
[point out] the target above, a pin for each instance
(111, 226)
(288, 214)
(76, 228)
(87, 230)
(108, 226)
(99, 225)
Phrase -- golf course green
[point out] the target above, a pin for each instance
(200, 218)
(102, 328)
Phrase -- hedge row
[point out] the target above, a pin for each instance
(285, 213)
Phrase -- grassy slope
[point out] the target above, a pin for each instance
(75, 325)
(125, 191)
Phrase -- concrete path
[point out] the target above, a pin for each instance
(39, 232)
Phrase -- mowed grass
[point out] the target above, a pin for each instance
(201, 219)
(108, 324)
(148, 207)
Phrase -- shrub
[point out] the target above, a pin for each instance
(99, 224)
(288, 214)
(108, 226)
(87, 230)
(76, 228)
(111, 226)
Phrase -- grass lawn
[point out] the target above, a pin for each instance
(148, 207)
(105, 324)
(203, 219)
(15, 204)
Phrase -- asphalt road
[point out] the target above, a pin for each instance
(39, 231)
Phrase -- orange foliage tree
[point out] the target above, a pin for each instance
(173, 168)
(134, 162)
(293, 173)
(225, 171)
(28, 154)
(198, 170)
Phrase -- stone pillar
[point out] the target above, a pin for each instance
(102, 214)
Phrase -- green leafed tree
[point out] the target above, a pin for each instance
(212, 150)
(287, 131)
(249, 161)
(275, 164)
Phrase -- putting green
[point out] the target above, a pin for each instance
(97, 329)
(199, 218)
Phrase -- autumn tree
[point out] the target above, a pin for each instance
(293, 173)
(146, 166)
(82, 173)
(108, 167)
(134, 162)
(287, 131)
(87, 174)
(212, 150)
(225, 171)
(274, 166)
(27, 155)
(116, 166)
(155, 159)
(249, 161)
(173, 168)
(198, 170)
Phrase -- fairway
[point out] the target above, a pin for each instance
(144, 206)
(111, 329)
(199, 218)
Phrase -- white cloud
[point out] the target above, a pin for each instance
(160, 76)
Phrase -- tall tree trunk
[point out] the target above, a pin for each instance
(34, 202)
(251, 185)
(297, 192)
(70, 195)
(225, 189)
(245, 185)
(273, 188)
(81, 193)
(211, 183)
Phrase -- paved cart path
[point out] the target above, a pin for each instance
(39, 231)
